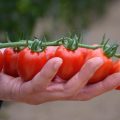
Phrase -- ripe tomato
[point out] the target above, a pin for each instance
(10, 62)
(104, 70)
(50, 52)
(85, 52)
(30, 63)
(72, 62)
(1, 61)
(116, 68)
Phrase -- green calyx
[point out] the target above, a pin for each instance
(71, 43)
(37, 46)
(110, 51)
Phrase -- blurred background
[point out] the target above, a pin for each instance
(54, 19)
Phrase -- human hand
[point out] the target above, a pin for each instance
(42, 89)
(77, 88)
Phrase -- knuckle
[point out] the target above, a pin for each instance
(89, 64)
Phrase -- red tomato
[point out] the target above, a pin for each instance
(30, 63)
(85, 52)
(116, 68)
(72, 62)
(50, 52)
(1, 61)
(10, 62)
(104, 70)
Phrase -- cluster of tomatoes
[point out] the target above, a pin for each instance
(27, 64)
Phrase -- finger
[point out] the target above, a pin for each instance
(81, 78)
(94, 90)
(5, 76)
(55, 87)
(64, 91)
(43, 78)
(59, 80)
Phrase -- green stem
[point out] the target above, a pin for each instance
(53, 43)
(14, 44)
(90, 46)
(25, 43)
(117, 55)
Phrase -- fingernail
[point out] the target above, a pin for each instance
(58, 63)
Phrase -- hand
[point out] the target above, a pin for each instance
(76, 88)
(42, 89)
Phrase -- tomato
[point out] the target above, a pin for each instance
(30, 63)
(116, 68)
(85, 52)
(72, 62)
(50, 52)
(10, 62)
(104, 70)
(1, 61)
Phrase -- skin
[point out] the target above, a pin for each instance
(42, 89)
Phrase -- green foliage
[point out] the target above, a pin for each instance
(79, 13)
(20, 15)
